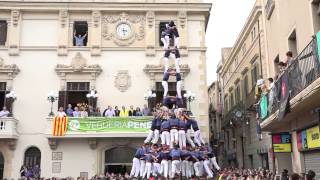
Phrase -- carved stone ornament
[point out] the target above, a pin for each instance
(63, 15)
(182, 18)
(122, 80)
(11, 70)
(150, 18)
(110, 23)
(96, 15)
(78, 64)
(53, 144)
(15, 15)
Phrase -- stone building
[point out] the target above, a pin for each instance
(120, 60)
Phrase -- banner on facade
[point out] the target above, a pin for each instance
(284, 100)
(116, 124)
(318, 44)
(59, 126)
(308, 139)
(264, 106)
(281, 143)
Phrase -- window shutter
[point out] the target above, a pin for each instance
(62, 101)
(3, 32)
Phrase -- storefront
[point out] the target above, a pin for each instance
(308, 142)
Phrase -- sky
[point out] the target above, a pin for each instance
(227, 18)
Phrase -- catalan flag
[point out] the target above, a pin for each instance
(60, 125)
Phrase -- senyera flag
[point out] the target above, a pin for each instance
(60, 126)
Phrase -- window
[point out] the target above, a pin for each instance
(237, 95)
(244, 49)
(2, 94)
(231, 100)
(253, 34)
(246, 88)
(316, 15)
(236, 62)
(292, 43)
(3, 32)
(254, 75)
(75, 95)
(80, 30)
(226, 104)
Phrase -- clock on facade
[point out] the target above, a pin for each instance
(124, 31)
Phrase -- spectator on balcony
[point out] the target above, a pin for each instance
(4, 112)
(282, 67)
(116, 111)
(79, 39)
(69, 110)
(76, 112)
(61, 113)
(138, 112)
(132, 112)
(83, 112)
(110, 112)
(271, 83)
(288, 59)
(124, 112)
(145, 111)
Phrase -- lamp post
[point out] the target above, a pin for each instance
(148, 95)
(11, 97)
(190, 96)
(91, 96)
(52, 97)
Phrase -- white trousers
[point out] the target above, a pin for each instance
(142, 167)
(191, 168)
(165, 88)
(165, 43)
(164, 168)
(147, 170)
(135, 167)
(182, 139)
(169, 167)
(177, 66)
(149, 137)
(214, 162)
(185, 170)
(207, 168)
(201, 169)
(174, 136)
(175, 169)
(198, 138)
(196, 167)
(165, 138)
(155, 136)
(188, 136)
(176, 42)
(156, 169)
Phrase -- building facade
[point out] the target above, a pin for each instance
(293, 26)
(121, 59)
(240, 68)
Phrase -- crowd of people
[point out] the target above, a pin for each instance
(80, 111)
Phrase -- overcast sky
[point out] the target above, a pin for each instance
(226, 21)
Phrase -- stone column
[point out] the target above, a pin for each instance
(150, 34)
(14, 30)
(95, 35)
(182, 26)
(63, 33)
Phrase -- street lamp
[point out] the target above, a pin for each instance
(148, 95)
(11, 97)
(52, 97)
(190, 96)
(91, 96)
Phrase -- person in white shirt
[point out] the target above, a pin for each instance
(61, 113)
(110, 112)
(76, 112)
(4, 112)
(83, 112)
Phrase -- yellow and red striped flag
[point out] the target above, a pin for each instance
(60, 125)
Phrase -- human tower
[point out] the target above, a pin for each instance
(178, 156)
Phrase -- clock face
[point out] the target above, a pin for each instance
(124, 31)
(238, 114)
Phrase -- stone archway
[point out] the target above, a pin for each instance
(1, 165)
(118, 159)
(32, 157)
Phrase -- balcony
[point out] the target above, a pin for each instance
(8, 128)
(303, 87)
(98, 127)
(269, 8)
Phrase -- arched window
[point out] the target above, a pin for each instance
(119, 159)
(32, 157)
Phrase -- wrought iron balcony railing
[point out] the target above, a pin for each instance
(8, 128)
(303, 70)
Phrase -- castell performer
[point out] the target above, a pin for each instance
(138, 161)
(154, 131)
(197, 133)
(182, 128)
(174, 131)
(165, 128)
(164, 156)
(212, 156)
(171, 30)
(175, 154)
